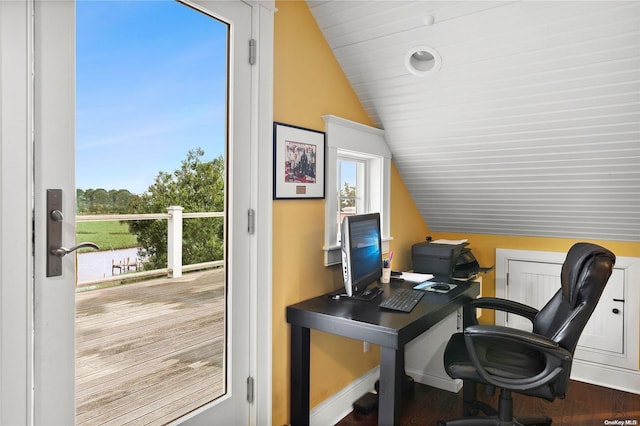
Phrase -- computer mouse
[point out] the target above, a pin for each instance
(443, 287)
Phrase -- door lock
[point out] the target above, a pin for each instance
(56, 215)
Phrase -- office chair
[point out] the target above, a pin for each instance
(536, 363)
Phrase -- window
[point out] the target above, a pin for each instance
(351, 193)
(358, 178)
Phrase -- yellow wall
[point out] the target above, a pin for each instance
(308, 83)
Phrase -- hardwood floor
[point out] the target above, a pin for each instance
(585, 405)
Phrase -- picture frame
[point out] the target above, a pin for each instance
(298, 162)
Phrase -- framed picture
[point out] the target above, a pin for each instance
(298, 162)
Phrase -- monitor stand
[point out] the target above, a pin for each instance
(369, 293)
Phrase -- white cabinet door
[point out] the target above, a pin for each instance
(531, 283)
(605, 330)
(607, 352)
(534, 283)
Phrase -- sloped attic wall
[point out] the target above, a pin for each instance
(532, 125)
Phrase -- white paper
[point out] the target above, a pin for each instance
(450, 242)
(414, 277)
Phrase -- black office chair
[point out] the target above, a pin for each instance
(536, 363)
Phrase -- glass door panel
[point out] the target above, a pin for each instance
(152, 178)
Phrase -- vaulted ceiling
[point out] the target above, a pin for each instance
(531, 124)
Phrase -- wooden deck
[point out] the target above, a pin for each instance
(149, 352)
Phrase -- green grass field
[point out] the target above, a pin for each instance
(107, 235)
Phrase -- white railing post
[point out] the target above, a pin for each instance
(174, 241)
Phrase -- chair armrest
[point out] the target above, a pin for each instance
(537, 341)
(557, 359)
(498, 304)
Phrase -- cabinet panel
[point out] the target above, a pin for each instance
(605, 330)
(534, 283)
(608, 351)
(531, 283)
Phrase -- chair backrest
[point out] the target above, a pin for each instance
(585, 272)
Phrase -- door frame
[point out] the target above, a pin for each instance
(16, 207)
(260, 363)
(16, 181)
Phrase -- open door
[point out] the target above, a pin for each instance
(54, 169)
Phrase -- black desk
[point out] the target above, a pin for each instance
(367, 322)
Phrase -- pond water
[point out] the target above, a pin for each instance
(94, 265)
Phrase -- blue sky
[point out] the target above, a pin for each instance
(150, 86)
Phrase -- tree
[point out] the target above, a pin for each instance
(347, 196)
(119, 200)
(82, 205)
(100, 201)
(197, 186)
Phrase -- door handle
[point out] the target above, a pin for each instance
(55, 250)
(62, 252)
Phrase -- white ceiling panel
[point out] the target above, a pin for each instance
(530, 127)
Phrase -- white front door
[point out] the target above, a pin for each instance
(54, 168)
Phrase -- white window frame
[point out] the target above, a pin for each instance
(361, 198)
(353, 140)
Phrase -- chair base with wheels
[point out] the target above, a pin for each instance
(502, 417)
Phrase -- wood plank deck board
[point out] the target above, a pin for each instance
(149, 352)
(117, 377)
(147, 347)
(101, 327)
(154, 331)
(162, 323)
(145, 393)
(168, 402)
(172, 409)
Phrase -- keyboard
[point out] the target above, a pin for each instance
(403, 300)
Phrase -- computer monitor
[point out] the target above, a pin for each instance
(361, 245)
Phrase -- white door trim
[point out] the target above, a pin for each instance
(16, 181)
(54, 168)
(262, 147)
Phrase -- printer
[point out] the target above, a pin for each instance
(445, 261)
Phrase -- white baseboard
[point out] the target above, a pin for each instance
(336, 407)
(606, 375)
(444, 383)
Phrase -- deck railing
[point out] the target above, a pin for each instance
(174, 218)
